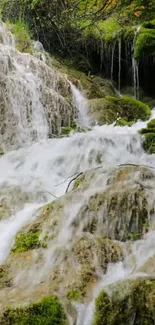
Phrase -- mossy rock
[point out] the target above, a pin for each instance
(28, 241)
(22, 36)
(74, 294)
(149, 143)
(1, 152)
(123, 122)
(124, 110)
(147, 130)
(149, 137)
(122, 210)
(48, 311)
(94, 86)
(66, 130)
(105, 86)
(151, 124)
(131, 109)
(132, 302)
(5, 277)
(145, 43)
(102, 110)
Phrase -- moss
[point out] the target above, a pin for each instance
(74, 294)
(107, 29)
(124, 110)
(147, 130)
(27, 241)
(149, 143)
(151, 124)
(48, 311)
(145, 43)
(118, 211)
(4, 209)
(80, 182)
(1, 152)
(130, 109)
(83, 251)
(123, 122)
(108, 252)
(5, 277)
(149, 137)
(130, 303)
(22, 37)
(129, 33)
(66, 130)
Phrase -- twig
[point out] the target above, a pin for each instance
(73, 179)
(136, 165)
(66, 179)
(95, 168)
(43, 192)
(144, 186)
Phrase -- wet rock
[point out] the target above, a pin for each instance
(130, 302)
(122, 110)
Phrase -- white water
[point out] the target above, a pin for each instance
(40, 167)
(80, 102)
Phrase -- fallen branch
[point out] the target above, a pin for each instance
(95, 168)
(66, 180)
(43, 192)
(136, 165)
(144, 186)
(73, 179)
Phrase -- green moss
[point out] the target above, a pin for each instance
(129, 301)
(95, 92)
(22, 37)
(108, 252)
(130, 109)
(151, 124)
(80, 182)
(145, 43)
(74, 294)
(129, 32)
(149, 143)
(123, 122)
(124, 110)
(27, 241)
(48, 311)
(1, 152)
(149, 24)
(147, 130)
(107, 29)
(66, 130)
(5, 277)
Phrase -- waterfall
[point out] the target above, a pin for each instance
(135, 67)
(37, 188)
(80, 101)
(33, 96)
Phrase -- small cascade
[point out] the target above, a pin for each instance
(33, 96)
(80, 102)
(135, 68)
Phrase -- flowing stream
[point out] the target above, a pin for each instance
(40, 167)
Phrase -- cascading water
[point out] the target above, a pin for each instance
(81, 103)
(40, 172)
